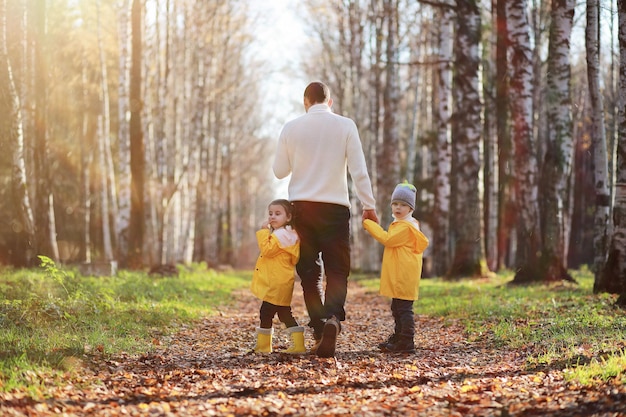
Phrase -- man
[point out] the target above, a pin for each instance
(318, 149)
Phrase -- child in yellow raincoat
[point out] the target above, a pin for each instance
(402, 265)
(273, 277)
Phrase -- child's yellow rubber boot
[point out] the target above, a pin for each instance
(263, 340)
(296, 334)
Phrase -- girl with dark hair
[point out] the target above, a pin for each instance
(273, 277)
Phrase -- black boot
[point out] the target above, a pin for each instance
(404, 344)
(327, 346)
(390, 341)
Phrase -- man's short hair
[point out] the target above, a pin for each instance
(317, 92)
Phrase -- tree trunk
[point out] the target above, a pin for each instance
(601, 168)
(615, 269)
(45, 229)
(388, 155)
(137, 163)
(375, 100)
(441, 208)
(525, 163)
(506, 213)
(491, 179)
(107, 178)
(123, 141)
(468, 244)
(86, 158)
(557, 162)
(22, 222)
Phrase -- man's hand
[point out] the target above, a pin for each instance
(370, 214)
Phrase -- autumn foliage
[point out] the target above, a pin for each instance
(207, 368)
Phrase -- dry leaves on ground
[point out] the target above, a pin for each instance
(209, 370)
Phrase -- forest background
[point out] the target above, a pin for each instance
(137, 132)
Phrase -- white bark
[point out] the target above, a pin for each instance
(441, 207)
(600, 157)
(560, 146)
(388, 153)
(107, 177)
(86, 153)
(123, 135)
(525, 162)
(104, 195)
(615, 270)
(25, 220)
(468, 256)
(491, 178)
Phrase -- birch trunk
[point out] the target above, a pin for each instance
(441, 208)
(137, 163)
(615, 269)
(45, 228)
(204, 23)
(375, 81)
(107, 179)
(86, 157)
(107, 248)
(388, 157)
(490, 178)
(557, 162)
(525, 163)
(23, 222)
(123, 141)
(365, 251)
(600, 157)
(468, 245)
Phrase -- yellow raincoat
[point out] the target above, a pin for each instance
(274, 272)
(402, 258)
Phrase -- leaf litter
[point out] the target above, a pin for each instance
(209, 369)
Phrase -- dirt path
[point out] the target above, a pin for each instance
(208, 370)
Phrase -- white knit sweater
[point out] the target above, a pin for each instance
(318, 149)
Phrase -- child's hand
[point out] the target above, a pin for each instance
(370, 214)
(265, 225)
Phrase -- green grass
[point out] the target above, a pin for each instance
(52, 318)
(563, 326)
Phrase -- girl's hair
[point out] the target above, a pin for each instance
(286, 204)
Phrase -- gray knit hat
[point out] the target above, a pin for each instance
(405, 193)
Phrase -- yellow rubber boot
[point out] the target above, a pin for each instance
(263, 340)
(296, 334)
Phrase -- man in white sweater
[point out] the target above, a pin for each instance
(318, 149)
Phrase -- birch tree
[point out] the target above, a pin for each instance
(387, 155)
(22, 218)
(45, 227)
(468, 250)
(601, 169)
(107, 178)
(441, 207)
(122, 220)
(204, 23)
(137, 163)
(86, 166)
(525, 163)
(557, 161)
(615, 268)
(506, 222)
(490, 141)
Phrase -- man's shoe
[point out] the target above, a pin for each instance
(402, 345)
(326, 348)
(316, 345)
(390, 341)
